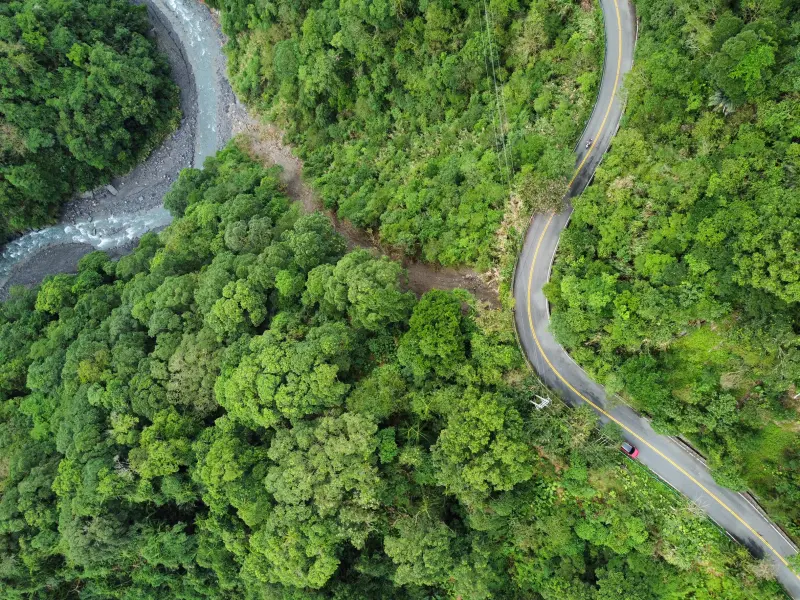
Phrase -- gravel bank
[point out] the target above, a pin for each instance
(190, 36)
(144, 187)
(113, 221)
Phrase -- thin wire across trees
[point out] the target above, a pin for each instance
(501, 128)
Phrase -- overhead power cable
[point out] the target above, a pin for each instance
(499, 101)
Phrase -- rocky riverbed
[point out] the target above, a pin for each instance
(113, 217)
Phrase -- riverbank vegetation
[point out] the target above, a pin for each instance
(441, 126)
(677, 282)
(84, 95)
(241, 409)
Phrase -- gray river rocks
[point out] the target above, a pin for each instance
(114, 216)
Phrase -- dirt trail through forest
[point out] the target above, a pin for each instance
(265, 143)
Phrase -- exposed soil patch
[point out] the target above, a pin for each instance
(264, 142)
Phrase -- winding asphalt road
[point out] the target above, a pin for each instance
(666, 457)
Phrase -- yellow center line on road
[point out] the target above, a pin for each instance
(610, 101)
(594, 405)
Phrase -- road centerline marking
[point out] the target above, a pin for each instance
(594, 405)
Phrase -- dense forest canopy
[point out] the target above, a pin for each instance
(677, 282)
(241, 410)
(440, 124)
(84, 94)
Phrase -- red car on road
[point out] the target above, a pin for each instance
(631, 451)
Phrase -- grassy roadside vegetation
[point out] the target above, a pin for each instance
(84, 95)
(394, 109)
(242, 409)
(678, 281)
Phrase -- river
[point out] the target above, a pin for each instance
(111, 219)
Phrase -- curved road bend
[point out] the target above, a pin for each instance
(661, 454)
